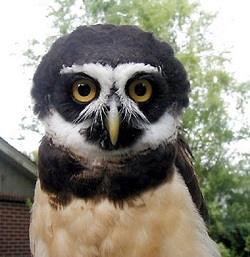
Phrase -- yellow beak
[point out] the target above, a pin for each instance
(113, 124)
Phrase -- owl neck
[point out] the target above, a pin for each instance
(64, 175)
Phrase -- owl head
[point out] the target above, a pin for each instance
(106, 90)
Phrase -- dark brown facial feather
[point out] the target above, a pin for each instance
(119, 179)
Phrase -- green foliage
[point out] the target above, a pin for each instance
(224, 173)
(29, 203)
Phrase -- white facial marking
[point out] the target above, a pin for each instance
(64, 133)
(103, 74)
(107, 76)
(161, 132)
(67, 134)
(123, 72)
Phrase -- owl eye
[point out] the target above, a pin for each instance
(84, 91)
(140, 90)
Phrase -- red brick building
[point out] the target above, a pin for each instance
(17, 181)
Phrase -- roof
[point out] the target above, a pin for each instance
(12, 198)
(23, 163)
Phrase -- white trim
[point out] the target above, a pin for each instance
(105, 73)
(15, 157)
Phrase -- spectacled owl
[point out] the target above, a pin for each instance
(115, 174)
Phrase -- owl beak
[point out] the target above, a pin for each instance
(113, 123)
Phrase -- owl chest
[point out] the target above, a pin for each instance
(157, 224)
(94, 229)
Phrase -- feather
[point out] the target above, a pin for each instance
(186, 169)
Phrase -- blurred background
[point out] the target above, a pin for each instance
(212, 40)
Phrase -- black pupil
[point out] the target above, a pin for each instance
(84, 89)
(140, 89)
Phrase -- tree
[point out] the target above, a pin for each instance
(224, 173)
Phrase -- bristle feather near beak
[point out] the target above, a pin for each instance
(113, 123)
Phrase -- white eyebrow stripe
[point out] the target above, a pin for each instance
(88, 67)
(124, 72)
(103, 74)
(107, 75)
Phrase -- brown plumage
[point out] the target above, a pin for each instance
(186, 168)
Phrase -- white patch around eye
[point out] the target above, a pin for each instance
(124, 72)
(104, 76)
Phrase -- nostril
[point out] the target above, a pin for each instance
(113, 90)
(108, 108)
(119, 108)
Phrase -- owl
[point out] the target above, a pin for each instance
(116, 177)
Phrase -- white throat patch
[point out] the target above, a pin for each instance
(67, 134)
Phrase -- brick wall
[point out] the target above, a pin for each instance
(14, 227)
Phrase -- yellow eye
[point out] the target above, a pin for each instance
(140, 90)
(84, 91)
